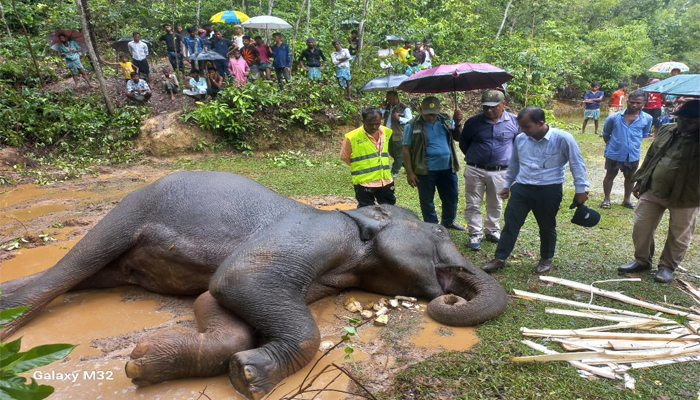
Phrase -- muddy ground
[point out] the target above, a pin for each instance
(106, 324)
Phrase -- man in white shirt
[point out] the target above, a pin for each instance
(238, 37)
(429, 54)
(385, 54)
(139, 52)
(341, 59)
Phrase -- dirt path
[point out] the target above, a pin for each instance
(106, 324)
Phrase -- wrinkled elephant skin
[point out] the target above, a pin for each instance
(256, 259)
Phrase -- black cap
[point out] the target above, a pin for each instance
(690, 109)
(586, 217)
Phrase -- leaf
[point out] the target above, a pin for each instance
(349, 350)
(12, 390)
(9, 348)
(351, 330)
(42, 355)
(11, 314)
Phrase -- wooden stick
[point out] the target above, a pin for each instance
(607, 356)
(576, 344)
(595, 315)
(604, 335)
(647, 364)
(617, 296)
(604, 372)
(531, 296)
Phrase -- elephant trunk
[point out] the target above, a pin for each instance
(472, 297)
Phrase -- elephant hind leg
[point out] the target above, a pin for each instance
(186, 353)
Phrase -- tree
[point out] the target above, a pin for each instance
(82, 7)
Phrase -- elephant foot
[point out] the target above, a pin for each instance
(253, 374)
(158, 358)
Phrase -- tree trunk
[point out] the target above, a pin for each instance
(308, 17)
(174, 11)
(199, 6)
(270, 3)
(362, 33)
(29, 44)
(2, 15)
(505, 15)
(296, 26)
(82, 7)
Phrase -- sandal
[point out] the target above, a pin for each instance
(628, 204)
(605, 205)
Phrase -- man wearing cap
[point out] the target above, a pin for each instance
(535, 178)
(238, 37)
(365, 150)
(669, 178)
(487, 143)
(430, 160)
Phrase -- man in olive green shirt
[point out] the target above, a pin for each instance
(669, 179)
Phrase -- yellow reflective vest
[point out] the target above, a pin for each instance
(366, 163)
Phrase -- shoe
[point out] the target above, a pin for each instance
(474, 242)
(454, 226)
(493, 265)
(493, 237)
(543, 266)
(634, 266)
(605, 204)
(663, 275)
(628, 204)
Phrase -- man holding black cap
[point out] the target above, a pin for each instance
(669, 178)
(487, 143)
(535, 178)
(430, 160)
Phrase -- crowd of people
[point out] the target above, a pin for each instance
(240, 59)
(523, 159)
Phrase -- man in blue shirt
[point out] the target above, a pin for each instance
(487, 143)
(193, 44)
(623, 133)
(430, 160)
(592, 100)
(535, 177)
(282, 62)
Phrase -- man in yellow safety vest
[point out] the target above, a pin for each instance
(366, 151)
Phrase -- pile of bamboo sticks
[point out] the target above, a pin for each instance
(601, 351)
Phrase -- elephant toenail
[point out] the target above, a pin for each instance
(250, 372)
(139, 351)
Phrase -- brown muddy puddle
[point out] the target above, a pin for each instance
(106, 324)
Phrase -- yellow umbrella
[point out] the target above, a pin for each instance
(227, 16)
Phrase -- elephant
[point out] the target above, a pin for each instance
(255, 259)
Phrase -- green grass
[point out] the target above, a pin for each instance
(583, 254)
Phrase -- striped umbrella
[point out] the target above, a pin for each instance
(228, 16)
(666, 67)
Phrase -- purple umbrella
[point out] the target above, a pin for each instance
(455, 77)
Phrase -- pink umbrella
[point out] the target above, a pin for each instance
(455, 77)
(70, 34)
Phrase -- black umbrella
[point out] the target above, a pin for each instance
(394, 40)
(122, 45)
(386, 82)
(206, 56)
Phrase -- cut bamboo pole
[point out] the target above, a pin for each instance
(612, 356)
(690, 288)
(604, 335)
(604, 372)
(596, 315)
(654, 363)
(576, 344)
(617, 296)
(530, 296)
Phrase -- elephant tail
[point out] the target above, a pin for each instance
(114, 235)
(472, 297)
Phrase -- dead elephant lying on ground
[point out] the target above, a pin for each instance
(256, 259)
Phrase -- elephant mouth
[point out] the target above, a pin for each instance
(448, 277)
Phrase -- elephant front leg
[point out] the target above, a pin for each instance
(178, 354)
(254, 373)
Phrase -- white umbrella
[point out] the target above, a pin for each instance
(266, 22)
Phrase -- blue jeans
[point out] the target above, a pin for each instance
(447, 187)
(175, 60)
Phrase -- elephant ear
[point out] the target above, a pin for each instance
(370, 220)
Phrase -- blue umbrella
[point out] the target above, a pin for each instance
(681, 85)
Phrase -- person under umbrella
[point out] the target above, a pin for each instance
(139, 53)
(70, 50)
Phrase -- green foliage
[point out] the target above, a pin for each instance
(13, 362)
(78, 130)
